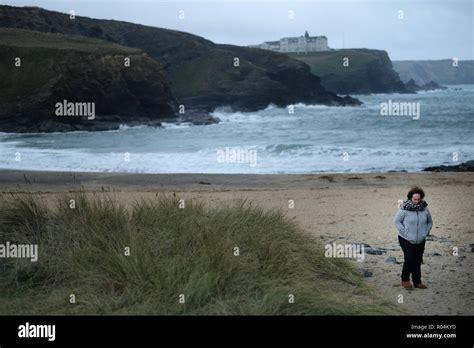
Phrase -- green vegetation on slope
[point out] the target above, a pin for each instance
(368, 71)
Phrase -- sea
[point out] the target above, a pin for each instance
(389, 132)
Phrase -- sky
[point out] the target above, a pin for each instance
(406, 29)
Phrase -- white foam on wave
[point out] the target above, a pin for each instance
(125, 127)
(182, 125)
(270, 114)
(277, 158)
(313, 106)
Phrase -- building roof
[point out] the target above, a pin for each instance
(308, 37)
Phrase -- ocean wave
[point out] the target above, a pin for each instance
(273, 114)
(276, 159)
(314, 106)
(317, 138)
(125, 127)
(167, 125)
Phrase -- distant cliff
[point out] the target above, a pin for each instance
(54, 67)
(440, 71)
(368, 71)
(202, 74)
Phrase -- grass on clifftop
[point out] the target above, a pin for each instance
(173, 251)
(331, 62)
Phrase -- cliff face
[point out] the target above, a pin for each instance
(368, 71)
(57, 67)
(202, 74)
(439, 71)
(263, 77)
(413, 86)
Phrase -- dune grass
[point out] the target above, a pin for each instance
(174, 251)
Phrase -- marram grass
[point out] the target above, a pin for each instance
(174, 255)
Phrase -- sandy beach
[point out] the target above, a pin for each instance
(345, 208)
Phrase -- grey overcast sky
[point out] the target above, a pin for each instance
(429, 29)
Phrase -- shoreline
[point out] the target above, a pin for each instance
(92, 180)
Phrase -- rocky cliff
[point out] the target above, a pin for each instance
(202, 75)
(355, 71)
(40, 70)
(439, 71)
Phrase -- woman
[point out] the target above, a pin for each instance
(413, 221)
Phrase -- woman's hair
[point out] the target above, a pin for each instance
(414, 190)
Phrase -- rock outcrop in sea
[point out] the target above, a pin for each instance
(463, 167)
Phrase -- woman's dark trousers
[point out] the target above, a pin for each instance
(413, 254)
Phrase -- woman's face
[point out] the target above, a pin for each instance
(416, 198)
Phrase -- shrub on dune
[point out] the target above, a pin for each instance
(153, 257)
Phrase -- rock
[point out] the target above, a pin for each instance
(375, 251)
(441, 71)
(434, 238)
(200, 117)
(432, 85)
(413, 86)
(463, 167)
(433, 254)
(391, 260)
(366, 274)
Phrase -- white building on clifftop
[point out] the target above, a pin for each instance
(304, 43)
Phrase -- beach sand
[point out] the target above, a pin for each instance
(341, 208)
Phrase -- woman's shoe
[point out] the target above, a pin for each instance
(407, 285)
(421, 286)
